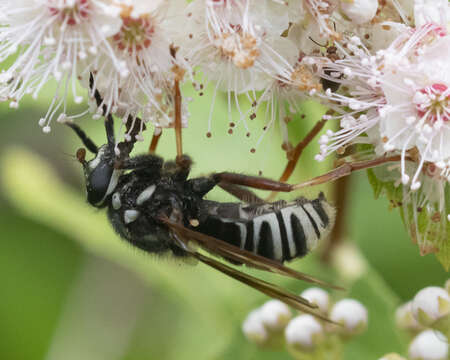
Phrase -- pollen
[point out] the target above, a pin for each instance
(303, 79)
(240, 48)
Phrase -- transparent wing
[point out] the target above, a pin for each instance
(184, 237)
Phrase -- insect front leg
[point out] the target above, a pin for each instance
(155, 140)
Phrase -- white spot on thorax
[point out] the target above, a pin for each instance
(116, 203)
(145, 195)
(130, 216)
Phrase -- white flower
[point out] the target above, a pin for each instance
(432, 11)
(431, 304)
(318, 297)
(253, 328)
(405, 319)
(405, 90)
(351, 314)
(322, 11)
(359, 11)
(429, 345)
(53, 39)
(304, 333)
(275, 314)
(418, 105)
(237, 45)
(144, 46)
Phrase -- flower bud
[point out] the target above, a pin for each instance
(351, 314)
(431, 304)
(304, 333)
(253, 328)
(318, 297)
(405, 318)
(429, 345)
(275, 315)
(359, 11)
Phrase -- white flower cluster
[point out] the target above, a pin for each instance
(426, 317)
(394, 95)
(135, 49)
(381, 66)
(272, 325)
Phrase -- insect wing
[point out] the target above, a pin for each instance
(221, 248)
(265, 287)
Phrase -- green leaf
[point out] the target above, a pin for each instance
(377, 185)
(427, 227)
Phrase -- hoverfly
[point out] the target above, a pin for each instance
(155, 206)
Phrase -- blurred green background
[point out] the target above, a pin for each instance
(71, 289)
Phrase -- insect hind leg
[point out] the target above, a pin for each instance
(255, 182)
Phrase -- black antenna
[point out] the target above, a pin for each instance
(90, 145)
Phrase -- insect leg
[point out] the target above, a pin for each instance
(109, 122)
(268, 184)
(178, 138)
(134, 125)
(241, 193)
(155, 139)
(345, 170)
(149, 162)
(255, 182)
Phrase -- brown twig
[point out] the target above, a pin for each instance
(294, 154)
(340, 227)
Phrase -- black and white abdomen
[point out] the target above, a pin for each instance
(279, 231)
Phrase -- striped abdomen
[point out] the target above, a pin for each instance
(279, 231)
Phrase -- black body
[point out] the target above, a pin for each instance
(142, 196)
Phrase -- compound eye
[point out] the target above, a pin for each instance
(98, 182)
